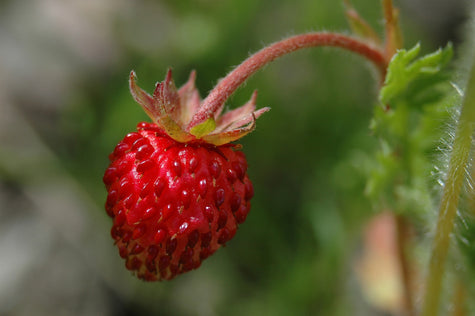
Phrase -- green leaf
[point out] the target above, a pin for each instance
(415, 80)
(415, 103)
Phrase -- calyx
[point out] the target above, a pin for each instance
(172, 110)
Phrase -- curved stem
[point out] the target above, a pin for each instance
(450, 198)
(223, 90)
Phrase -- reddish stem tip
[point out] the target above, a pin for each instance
(226, 87)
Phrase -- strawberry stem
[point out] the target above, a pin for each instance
(226, 87)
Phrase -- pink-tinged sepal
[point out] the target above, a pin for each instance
(240, 116)
(231, 135)
(172, 109)
(166, 98)
(141, 97)
(189, 98)
(163, 107)
(237, 114)
(245, 120)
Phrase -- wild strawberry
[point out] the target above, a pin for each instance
(177, 192)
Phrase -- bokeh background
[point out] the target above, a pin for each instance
(64, 104)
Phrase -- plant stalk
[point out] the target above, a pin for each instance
(403, 239)
(226, 87)
(460, 298)
(392, 29)
(450, 198)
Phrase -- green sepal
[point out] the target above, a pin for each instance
(204, 128)
(173, 129)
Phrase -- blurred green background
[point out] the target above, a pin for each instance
(64, 104)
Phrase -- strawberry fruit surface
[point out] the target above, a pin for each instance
(177, 193)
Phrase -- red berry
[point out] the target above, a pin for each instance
(176, 196)
(188, 206)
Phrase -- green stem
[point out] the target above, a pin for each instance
(450, 198)
(460, 298)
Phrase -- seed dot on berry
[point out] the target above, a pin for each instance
(177, 167)
(171, 246)
(123, 252)
(206, 239)
(235, 202)
(222, 219)
(183, 227)
(205, 253)
(110, 210)
(145, 165)
(246, 208)
(139, 231)
(163, 262)
(223, 236)
(115, 232)
(186, 198)
(159, 186)
(215, 169)
(123, 167)
(209, 213)
(111, 198)
(125, 187)
(173, 269)
(231, 175)
(196, 264)
(203, 187)
(159, 236)
(133, 263)
(149, 212)
(144, 151)
(249, 190)
(241, 214)
(129, 201)
(150, 264)
(193, 238)
(120, 149)
(192, 164)
(219, 196)
(110, 176)
(126, 236)
(152, 251)
(188, 266)
(150, 276)
(143, 125)
(168, 210)
(138, 143)
(147, 189)
(120, 217)
(186, 255)
(240, 169)
(131, 138)
(137, 249)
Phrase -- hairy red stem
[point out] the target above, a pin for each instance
(223, 90)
